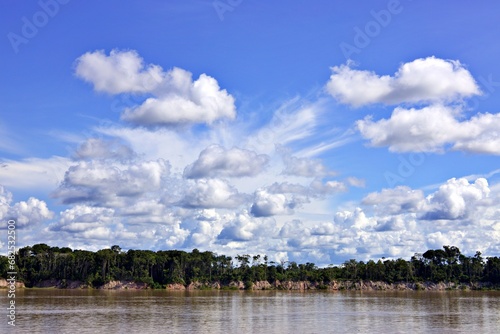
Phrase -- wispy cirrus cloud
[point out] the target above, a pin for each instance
(34, 173)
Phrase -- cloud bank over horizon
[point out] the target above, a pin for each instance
(181, 169)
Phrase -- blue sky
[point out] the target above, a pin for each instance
(309, 131)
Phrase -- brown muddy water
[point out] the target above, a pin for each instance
(158, 311)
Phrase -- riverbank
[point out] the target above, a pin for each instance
(265, 285)
(335, 286)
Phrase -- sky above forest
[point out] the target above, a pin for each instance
(316, 131)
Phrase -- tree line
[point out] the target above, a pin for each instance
(41, 262)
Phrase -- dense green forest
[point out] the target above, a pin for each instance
(42, 262)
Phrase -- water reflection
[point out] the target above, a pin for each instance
(153, 311)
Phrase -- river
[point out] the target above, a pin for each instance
(155, 311)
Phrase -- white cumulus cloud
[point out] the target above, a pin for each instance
(96, 148)
(120, 72)
(82, 219)
(432, 128)
(401, 199)
(212, 193)
(267, 204)
(108, 184)
(305, 167)
(174, 97)
(428, 79)
(456, 199)
(235, 162)
(24, 213)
